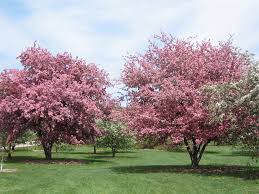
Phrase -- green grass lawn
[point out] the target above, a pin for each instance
(223, 170)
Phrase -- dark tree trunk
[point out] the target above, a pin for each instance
(195, 162)
(94, 149)
(195, 151)
(47, 146)
(9, 155)
(9, 151)
(113, 152)
(13, 146)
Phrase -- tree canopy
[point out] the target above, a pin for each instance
(57, 96)
(164, 89)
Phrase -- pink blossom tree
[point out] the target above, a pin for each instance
(57, 96)
(164, 90)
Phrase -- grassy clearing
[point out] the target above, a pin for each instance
(223, 170)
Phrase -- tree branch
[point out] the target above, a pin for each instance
(194, 145)
(5, 149)
(188, 147)
(202, 149)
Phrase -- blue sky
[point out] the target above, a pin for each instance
(103, 31)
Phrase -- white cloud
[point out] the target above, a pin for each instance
(81, 27)
(220, 19)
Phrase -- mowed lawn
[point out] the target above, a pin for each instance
(223, 170)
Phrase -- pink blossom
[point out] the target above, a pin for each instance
(57, 96)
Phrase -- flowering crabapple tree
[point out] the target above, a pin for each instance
(11, 124)
(238, 102)
(164, 89)
(57, 96)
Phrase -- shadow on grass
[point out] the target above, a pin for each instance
(90, 152)
(247, 173)
(38, 160)
(240, 153)
(98, 155)
(110, 156)
(184, 151)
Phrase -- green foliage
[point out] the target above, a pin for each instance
(114, 137)
(27, 136)
(64, 147)
(148, 142)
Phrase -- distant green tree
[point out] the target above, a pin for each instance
(26, 136)
(63, 147)
(114, 137)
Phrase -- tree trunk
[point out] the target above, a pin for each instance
(47, 146)
(9, 151)
(113, 152)
(94, 149)
(195, 151)
(195, 161)
(13, 146)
